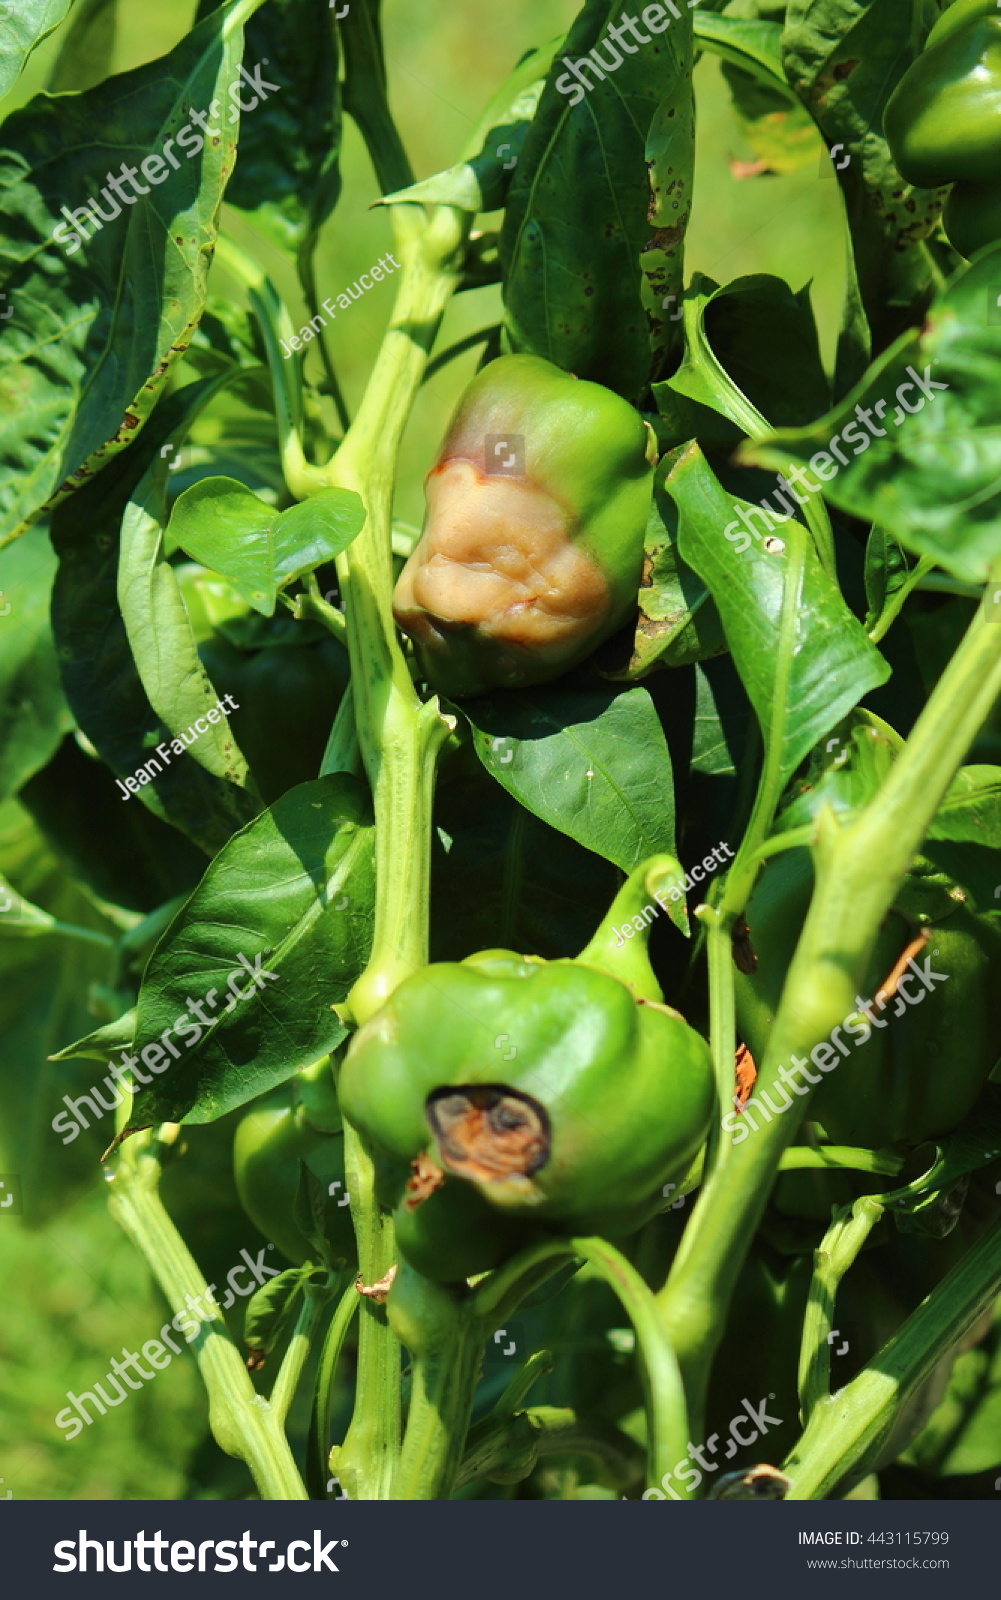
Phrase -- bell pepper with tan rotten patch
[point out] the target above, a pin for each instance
(532, 549)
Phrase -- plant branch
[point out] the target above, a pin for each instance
(858, 870)
(315, 1297)
(367, 1459)
(275, 324)
(846, 1428)
(500, 1294)
(318, 1449)
(243, 1423)
(831, 1260)
(399, 736)
(893, 608)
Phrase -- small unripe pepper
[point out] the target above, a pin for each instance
(505, 1096)
(943, 121)
(296, 1127)
(531, 554)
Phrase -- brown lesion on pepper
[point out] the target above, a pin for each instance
(497, 560)
(763, 1482)
(256, 1360)
(426, 1176)
(379, 1290)
(488, 1132)
(745, 1076)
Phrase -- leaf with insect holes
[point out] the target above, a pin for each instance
(225, 526)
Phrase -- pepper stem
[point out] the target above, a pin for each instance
(441, 1403)
(243, 1423)
(614, 949)
(367, 1459)
(845, 1428)
(837, 1251)
(502, 1291)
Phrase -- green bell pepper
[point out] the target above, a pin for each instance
(505, 1095)
(957, 15)
(916, 1062)
(912, 1061)
(532, 549)
(296, 1126)
(943, 121)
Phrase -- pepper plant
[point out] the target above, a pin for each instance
(525, 918)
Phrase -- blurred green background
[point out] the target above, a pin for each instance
(74, 1290)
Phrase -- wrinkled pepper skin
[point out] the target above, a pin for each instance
(544, 1095)
(271, 1143)
(523, 569)
(943, 121)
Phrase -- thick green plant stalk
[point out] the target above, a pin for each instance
(845, 1428)
(243, 1423)
(399, 735)
(858, 869)
(439, 1326)
(836, 1252)
(399, 738)
(366, 1461)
